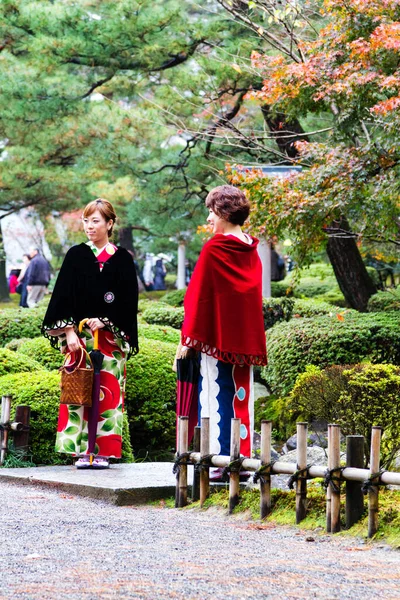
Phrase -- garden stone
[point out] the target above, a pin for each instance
(260, 391)
(315, 456)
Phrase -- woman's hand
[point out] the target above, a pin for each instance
(94, 324)
(72, 340)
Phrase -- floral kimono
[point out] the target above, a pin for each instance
(113, 342)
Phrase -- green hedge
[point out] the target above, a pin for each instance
(356, 398)
(385, 301)
(313, 307)
(163, 314)
(20, 322)
(276, 310)
(164, 333)
(151, 397)
(13, 362)
(174, 298)
(41, 391)
(325, 341)
(41, 350)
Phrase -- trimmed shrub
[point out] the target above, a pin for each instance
(15, 344)
(41, 391)
(325, 341)
(20, 322)
(151, 397)
(310, 287)
(334, 297)
(174, 298)
(164, 333)
(280, 289)
(275, 310)
(163, 314)
(41, 350)
(385, 301)
(13, 362)
(143, 304)
(354, 397)
(312, 308)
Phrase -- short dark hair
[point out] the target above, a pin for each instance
(229, 203)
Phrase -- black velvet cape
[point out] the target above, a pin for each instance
(83, 291)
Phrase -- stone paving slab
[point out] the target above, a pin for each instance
(121, 484)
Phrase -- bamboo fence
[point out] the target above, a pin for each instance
(358, 480)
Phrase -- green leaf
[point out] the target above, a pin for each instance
(72, 430)
(74, 418)
(69, 446)
(108, 413)
(108, 425)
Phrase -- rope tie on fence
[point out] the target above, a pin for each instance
(299, 474)
(333, 480)
(373, 482)
(181, 459)
(263, 471)
(204, 463)
(235, 466)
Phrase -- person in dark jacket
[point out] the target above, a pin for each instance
(37, 277)
(159, 275)
(97, 282)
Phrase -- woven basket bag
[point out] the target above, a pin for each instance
(76, 385)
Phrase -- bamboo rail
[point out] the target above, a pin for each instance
(19, 427)
(333, 473)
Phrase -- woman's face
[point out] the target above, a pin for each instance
(97, 228)
(217, 223)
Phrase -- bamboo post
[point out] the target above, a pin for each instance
(335, 495)
(5, 420)
(265, 457)
(328, 489)
(196, 474)
(301, 483)
(235, 453)
(204, 451)
(354, 495)
(183, 432)
(373, 494)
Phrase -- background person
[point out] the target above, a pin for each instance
(159, 275)
(21, 288)
(97, 281)
(224, 321)
(37, 277)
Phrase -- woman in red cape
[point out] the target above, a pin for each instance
(224, 320)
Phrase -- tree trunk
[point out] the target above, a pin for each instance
(125, 238)
(4, 292)
(287, 131)
(351, 274)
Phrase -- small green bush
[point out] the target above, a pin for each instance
(325, 341)
(334, 297)
(41, 350)
(41, 391)
(174, 298)
(13, 362)
(354, 397)
(309, 287)
(163, 314)
(385, 301)
(151, 397)
(280, 289)
(20, 322)
(312, 308)
(164, 333)
(15, 344)
(275, 310)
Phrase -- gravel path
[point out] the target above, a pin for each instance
(57, 546)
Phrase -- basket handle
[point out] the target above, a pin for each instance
(77, 362)
(95, 334)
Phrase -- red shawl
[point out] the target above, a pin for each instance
(223, 303)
